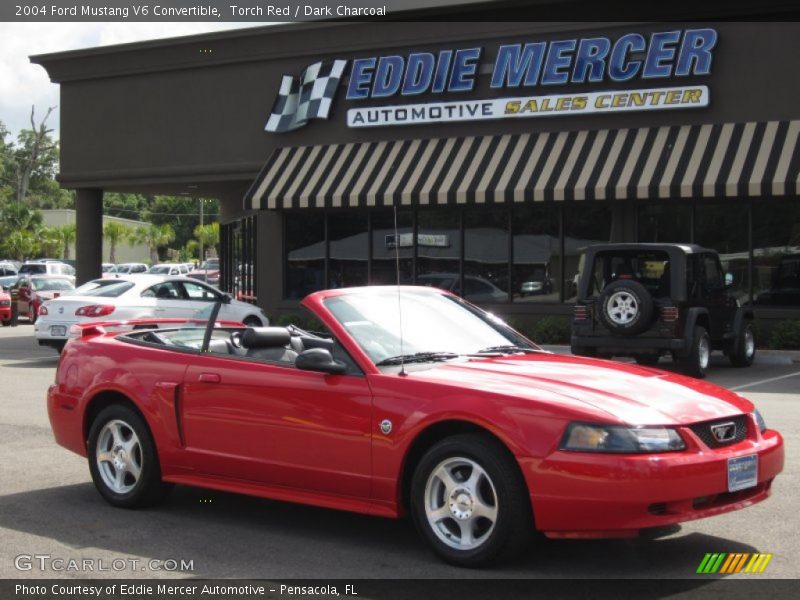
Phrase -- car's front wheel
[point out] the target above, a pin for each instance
(469, 501)
(123, 460)
(746, 348)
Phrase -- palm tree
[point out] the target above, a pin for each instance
(21, 244)
(68, 235)
(154, 236)
(49, 240)
(207, 235)
(114, 232)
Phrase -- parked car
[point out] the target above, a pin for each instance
(127, 269)
(7, 269)
(5, 307)
(47, 267)
(456, 419)
(7, 281)
(134, 297)
(207, 271)
(476, 289)
(537, 282)
(106, 267)
(169, 269)
(645, 300)
(30, 292)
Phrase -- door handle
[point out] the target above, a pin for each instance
(209, 378)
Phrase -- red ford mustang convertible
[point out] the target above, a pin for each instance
(462, 422)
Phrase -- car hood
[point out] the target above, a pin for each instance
(628, 393)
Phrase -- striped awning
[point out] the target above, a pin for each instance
(689, 161)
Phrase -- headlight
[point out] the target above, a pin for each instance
(762, 424)
(591, 437)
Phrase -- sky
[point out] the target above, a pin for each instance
(23, 84)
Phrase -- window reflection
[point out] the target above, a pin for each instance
(776, 254)
(439, 249)
(486, 255)
(349, 247)
(305, 253)
(384, 243)
(537, 253)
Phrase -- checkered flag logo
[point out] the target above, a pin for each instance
(306, 97)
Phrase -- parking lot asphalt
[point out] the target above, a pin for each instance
(48, 506)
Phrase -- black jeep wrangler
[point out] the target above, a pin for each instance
(644, 300)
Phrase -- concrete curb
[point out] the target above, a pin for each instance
(793, 355)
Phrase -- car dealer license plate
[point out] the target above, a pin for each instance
(58, 330)
(742, 472)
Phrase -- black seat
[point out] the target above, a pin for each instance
(268, 343)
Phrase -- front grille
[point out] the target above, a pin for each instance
(703, 431)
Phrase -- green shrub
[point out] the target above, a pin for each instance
(785, 335)
(551, 330)
(309, 323)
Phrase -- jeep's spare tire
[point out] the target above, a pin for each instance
(626, 307)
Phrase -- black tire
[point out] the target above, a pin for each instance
(746, 347)
(58, 346)
(146, 489)
(694, 364)
(252, 321)
(6, 323)
(647, 360)
(626, 307)
(32, 315)
(500, 482)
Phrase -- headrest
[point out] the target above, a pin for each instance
(265, 337)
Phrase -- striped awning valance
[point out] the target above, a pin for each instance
(689, 161)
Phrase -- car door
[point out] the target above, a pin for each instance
(169, 300)
(716, 296)
(277, 425)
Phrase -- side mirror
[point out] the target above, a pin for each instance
(319, 359)
(225, 298)
(728, 280)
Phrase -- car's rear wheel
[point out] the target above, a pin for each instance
(626, 307)
(33, 315)
(123, 459)
(469, 501)
(746, 347)
(696, 363)
(6, 323)
(252, 322)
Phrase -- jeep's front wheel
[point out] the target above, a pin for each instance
(745, 349)
(696, 363)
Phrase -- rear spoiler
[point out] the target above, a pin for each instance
(102, 327)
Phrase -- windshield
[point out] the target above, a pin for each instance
(33, 269)
(43, 285)
(210, 264)
(108, 288)
(160, 270)
(431, 323)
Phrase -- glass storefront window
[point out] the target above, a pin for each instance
(349, 249)
(584, 225)
(305, 253)
(384, 271)
(536, 271)
(724, 228)
(776, 254)
(486, 255)
(665, 224)
(439, 249)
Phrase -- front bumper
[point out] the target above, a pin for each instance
(593, 495)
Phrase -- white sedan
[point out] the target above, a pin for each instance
(135, 297)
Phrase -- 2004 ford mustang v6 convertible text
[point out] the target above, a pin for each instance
(464, 424)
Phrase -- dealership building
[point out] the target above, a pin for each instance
(486, 155)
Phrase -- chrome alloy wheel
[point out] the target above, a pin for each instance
(622, 307)
(119, 456)
(461, 503)
(703, 352)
